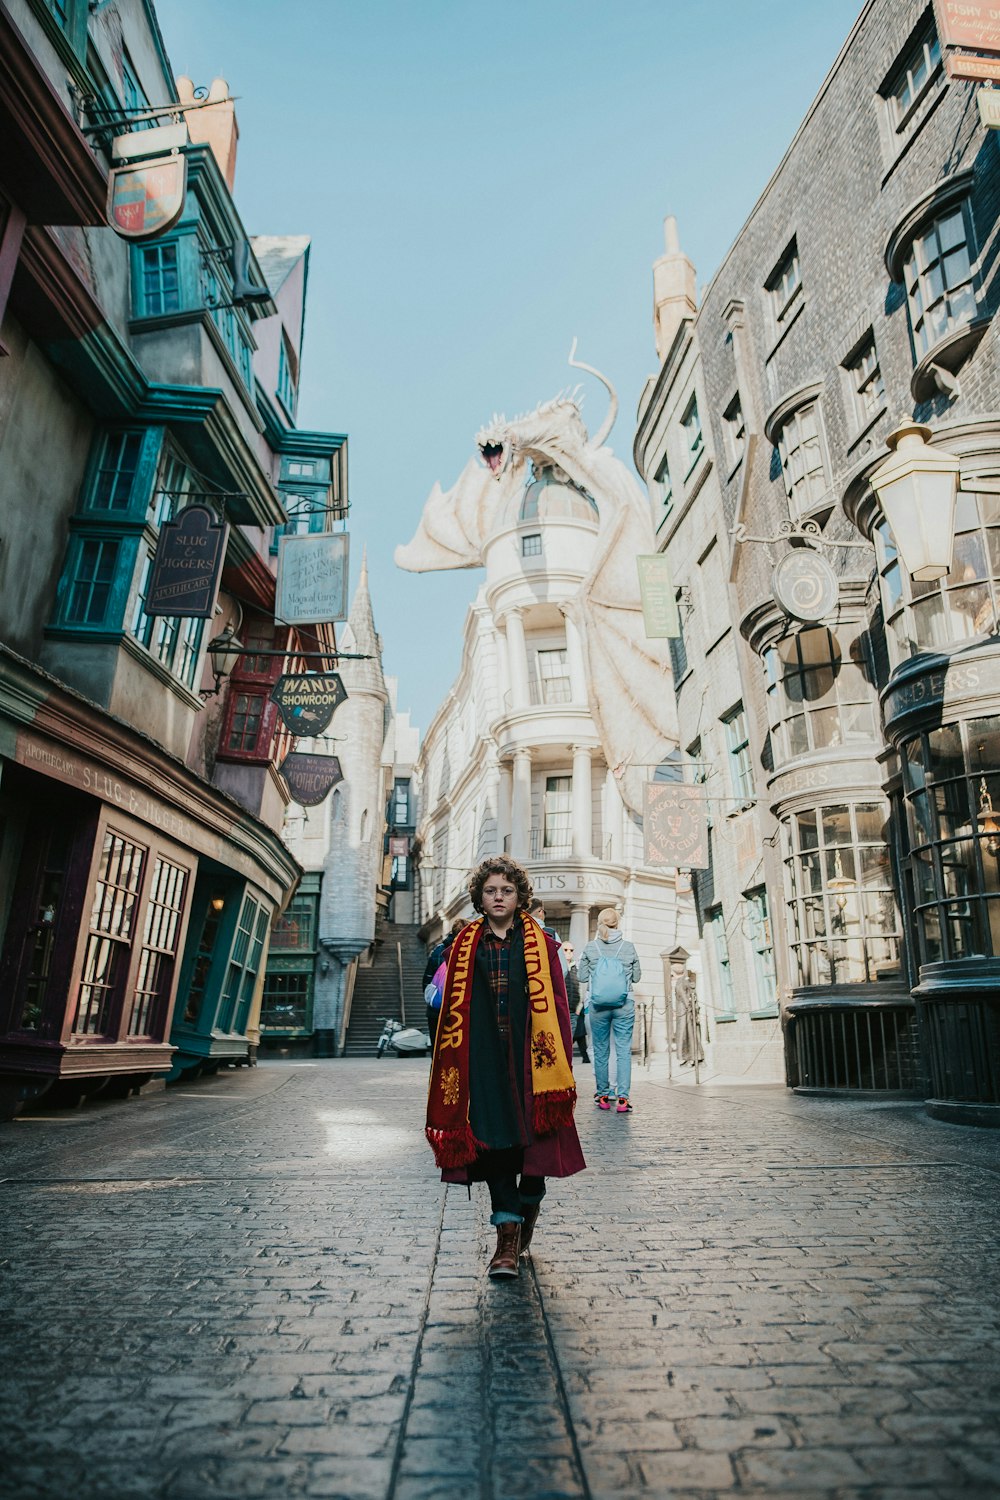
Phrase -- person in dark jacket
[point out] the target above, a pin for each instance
(502, 1093)
(576, 1004)
(434, 960)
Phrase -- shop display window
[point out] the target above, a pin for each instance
(951, 779)
(964, 604)
(819, 691)
(843, 920)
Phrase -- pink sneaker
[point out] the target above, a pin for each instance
(603, 1102)
(624, 1107)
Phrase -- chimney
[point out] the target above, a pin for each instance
(214, 124)
(674, 295)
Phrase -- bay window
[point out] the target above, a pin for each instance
(843, 925)
(932, 616)
(819, 691)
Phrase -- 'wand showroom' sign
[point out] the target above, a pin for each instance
(307, 701)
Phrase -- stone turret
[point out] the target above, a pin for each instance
(674, 292)
(347, 918)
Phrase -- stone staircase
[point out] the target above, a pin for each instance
(376, 989)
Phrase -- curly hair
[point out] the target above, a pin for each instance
(499, 864)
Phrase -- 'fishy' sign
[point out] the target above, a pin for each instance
(307, 701)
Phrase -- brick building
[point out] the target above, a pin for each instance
(859, 293)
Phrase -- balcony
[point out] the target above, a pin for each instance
(561, 853)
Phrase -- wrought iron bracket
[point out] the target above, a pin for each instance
(795, 531)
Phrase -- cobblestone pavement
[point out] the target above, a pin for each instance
(254, 1286)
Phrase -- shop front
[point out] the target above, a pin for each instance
(112, 854)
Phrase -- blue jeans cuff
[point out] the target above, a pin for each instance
(503, 1217)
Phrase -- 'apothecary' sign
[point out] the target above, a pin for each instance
(311, 777)
(188, 565)
(312, 578)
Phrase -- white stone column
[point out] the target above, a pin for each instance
(583, 805)
(520, 814)
(579, 926)
(503, 806)
(613, 813)
(574, 659)
(517, 659)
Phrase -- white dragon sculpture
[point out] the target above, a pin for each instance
(631, 699)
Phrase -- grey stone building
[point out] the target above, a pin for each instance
(859, 294)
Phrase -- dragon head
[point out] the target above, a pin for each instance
(543, 436)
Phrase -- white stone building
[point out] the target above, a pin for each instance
(512, 761)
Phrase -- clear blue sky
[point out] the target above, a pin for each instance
(481, 183)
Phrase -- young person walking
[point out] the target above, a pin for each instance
(610, 965)
(502, 1093)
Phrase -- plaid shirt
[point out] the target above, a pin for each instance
(497, 950)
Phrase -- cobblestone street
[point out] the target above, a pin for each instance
(255, 1285)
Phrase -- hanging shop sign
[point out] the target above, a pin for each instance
(674, 825)
(310, 778)
(805, 586)
(307, 701)
(656, 589)
(146, 198)
(312, 578)
(187, 567)
(965, 65)
(960, 24)
(988, 100)
(398, 847)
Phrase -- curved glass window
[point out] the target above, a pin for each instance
(843, 924)
(549, 495)
(965, 603)
(951, 780)
(819, 691)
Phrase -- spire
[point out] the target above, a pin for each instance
(674, 294)
(361, 675)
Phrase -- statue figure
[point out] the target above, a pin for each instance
(628, 675)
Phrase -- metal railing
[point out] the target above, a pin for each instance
(861, 1048)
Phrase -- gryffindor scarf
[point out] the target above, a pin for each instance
(552, 1086)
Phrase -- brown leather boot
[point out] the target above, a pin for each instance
(504, 1263)
(528, 1224)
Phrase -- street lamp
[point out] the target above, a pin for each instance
(988, 823)
(917, 486)
(225, 651)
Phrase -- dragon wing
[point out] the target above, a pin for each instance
(453, 526)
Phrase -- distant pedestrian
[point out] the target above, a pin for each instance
(502, 1093)
(577, 1005)
(610, 965)
(537, 910)
(437, 956)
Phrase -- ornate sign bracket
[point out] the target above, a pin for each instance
(795, 531)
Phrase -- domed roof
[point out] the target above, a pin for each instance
(552, 495)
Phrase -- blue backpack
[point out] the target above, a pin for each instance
(608, 983)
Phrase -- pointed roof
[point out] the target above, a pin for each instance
(365, 638)
(277, 254)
